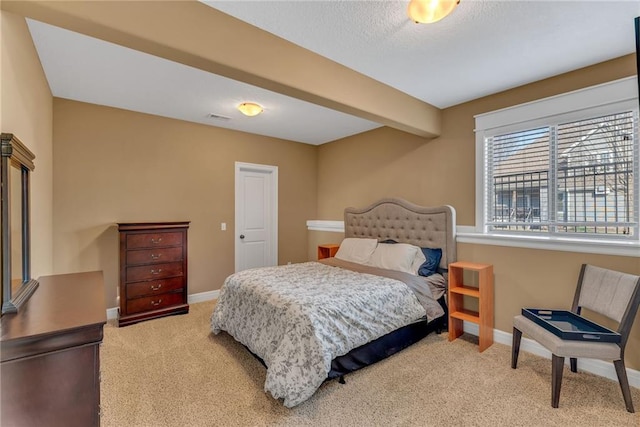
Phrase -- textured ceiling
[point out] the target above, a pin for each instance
(482, 48)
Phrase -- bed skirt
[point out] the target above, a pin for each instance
(387, 345)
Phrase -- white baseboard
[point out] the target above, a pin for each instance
(594, 366)
(112, 313)
(204, 296)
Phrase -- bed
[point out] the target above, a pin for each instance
(314, 321)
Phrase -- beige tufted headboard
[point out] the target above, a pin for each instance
(405, 222)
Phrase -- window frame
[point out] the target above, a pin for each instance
(595, 101)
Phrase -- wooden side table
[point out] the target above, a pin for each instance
(484, 294)
(327, 251)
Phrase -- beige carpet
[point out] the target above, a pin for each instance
(173, 372)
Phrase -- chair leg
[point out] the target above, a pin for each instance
(574, 364)
(515, 347)
(557, 364)
(624, 384)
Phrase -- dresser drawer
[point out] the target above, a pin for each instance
(154, 271)
(154, 302)
(153, 240)
(154, 256)
(154, 287)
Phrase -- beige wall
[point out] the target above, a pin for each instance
(358, 170)
(26, 111)
(384, 162)
(115, 166)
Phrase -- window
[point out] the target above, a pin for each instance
(571, 174)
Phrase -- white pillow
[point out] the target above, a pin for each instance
(418, 261)
(395, 256)
(356, 250)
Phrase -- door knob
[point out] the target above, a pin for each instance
(242, 236)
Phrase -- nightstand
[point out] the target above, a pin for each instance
(327, 251)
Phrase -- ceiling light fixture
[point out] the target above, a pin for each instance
(250, 109)
(430, 11)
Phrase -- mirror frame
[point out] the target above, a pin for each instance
(15, 154)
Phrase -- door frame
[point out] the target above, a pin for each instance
(272, 172)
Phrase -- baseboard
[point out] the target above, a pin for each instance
(203, 296)
(112, 313)
(594, 366)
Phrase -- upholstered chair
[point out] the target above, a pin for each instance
(610, 293)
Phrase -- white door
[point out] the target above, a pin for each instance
(256, 238)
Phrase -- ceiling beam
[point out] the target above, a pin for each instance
(194, 34)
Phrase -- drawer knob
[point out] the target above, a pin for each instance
(155, 256)
(158, 271)
(156, 241)
(155, 288)
(154, 303)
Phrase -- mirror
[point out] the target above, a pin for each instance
(16, 164)
(15, 227)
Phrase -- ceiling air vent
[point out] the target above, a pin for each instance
(218, 117)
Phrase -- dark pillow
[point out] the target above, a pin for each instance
(388, 241)
(430, 266)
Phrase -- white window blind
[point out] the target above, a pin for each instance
(571, 174)
(518, 180)
(574, 178)
(594, 176)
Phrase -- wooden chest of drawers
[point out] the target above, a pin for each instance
(50, 354)
(153, 270)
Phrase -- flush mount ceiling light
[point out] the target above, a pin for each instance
(250, 109)
(429, 11)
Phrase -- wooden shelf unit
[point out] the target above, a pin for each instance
(484, 293)
(327, 250)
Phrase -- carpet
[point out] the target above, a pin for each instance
(174, 372)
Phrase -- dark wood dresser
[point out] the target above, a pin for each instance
(153, 270)
(50, 354)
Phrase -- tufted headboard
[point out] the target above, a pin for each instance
(405, 222)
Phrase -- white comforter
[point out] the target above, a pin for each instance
(297, 318)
